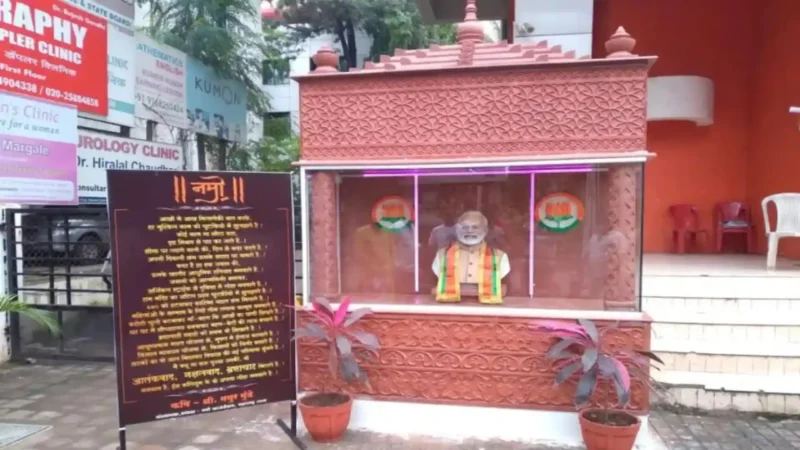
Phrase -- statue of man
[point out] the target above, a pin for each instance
(470, 266)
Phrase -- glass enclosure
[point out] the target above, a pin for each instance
(564, 237)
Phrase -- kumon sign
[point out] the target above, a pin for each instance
(54, 51)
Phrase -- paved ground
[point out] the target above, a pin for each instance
(79, 401)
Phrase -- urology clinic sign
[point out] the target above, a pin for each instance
(54, 51)
(98, 152)
(214, 106)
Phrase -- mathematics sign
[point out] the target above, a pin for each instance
(203, 275)
(160, 83)
(54, 51)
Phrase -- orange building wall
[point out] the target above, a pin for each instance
(699, 165)
(753, 148)
(774, 158)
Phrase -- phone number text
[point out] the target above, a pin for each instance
(23, 86)
(57, 94)
(71, 97)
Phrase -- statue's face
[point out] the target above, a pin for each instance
(471, 230)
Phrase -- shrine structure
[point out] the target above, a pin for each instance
(502, 128)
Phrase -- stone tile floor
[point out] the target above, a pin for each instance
(79, 401)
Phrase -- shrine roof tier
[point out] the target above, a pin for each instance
(477, 101)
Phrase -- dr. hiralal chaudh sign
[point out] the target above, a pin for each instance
(98, 153)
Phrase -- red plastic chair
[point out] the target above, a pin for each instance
(732, 218)
(685, 228)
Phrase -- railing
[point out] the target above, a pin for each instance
(54, 261)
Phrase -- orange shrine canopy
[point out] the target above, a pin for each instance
(477, 100)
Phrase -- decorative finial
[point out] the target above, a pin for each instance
(620, 45)
(470, 30)
(326, 59)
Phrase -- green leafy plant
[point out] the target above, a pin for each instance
(338, 329)
(580, 349)
(10, 304)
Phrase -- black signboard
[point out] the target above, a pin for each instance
(203, 272)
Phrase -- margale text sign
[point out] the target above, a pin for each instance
(54, 51)
(203, 276)
(37, 151)
(100, 152)
(160, 83)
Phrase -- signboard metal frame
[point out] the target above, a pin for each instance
(144, 204)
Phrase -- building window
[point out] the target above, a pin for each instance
(276, 71)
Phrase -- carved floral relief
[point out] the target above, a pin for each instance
(490, 113)
(465, 360)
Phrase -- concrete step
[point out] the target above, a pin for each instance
(728, 365)
(723, 311)
(768, 286)
(726, 339)
(727, 382)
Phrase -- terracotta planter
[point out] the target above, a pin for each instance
(325, 423)
(599, 436)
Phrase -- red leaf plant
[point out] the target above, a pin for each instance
(580, 350)
(336, 328)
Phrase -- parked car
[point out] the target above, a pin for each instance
(84, 237)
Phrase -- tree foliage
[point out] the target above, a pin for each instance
(227, 36)
(275, 152)
(218, 33)
(390, 23)
(394, 24)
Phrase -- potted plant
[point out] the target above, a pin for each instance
(580, 351)
(326, 414)
(46, 319)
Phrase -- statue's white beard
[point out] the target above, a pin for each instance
(471, 240)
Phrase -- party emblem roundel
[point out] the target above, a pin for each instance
(559, 212)
(392, 213)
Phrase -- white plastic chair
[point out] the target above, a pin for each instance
(787, 206)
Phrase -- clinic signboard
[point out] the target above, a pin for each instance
(98, 153)
(215, 106)
(120, 59)
(117, 12)
(160, 83)
(37, 151)
(54, 51)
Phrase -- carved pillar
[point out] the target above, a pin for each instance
(324, 257)
(622, 279)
